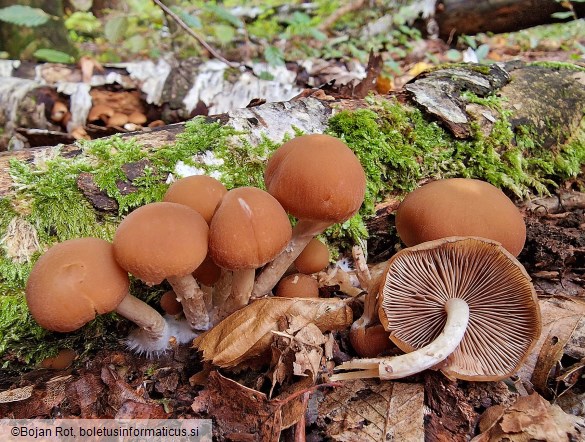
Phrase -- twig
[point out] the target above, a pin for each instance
(330, 21)
(195, 35)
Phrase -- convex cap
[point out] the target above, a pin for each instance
(316, 177)
(73, 282)
(460, 207)
(200, 192)
(504, 315)
(249, 229)
(161, 240)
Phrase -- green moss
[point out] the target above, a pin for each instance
(558, 65)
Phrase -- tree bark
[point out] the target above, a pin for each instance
(456, 17)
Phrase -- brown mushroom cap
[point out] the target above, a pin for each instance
(298, 285)
(137, 118)
(168, 302)
(61, 360)
(249, 229)
(117, 119)
(73, 282)
(208, 272)
(313, 258)
(504, 315)
(100, 112)
(59, 111)
(460, 207)
(200, 192)
(316, 177)
(161, 240)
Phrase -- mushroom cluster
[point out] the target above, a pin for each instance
(216, 248)
(456, 299)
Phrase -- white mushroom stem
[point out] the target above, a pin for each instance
(397, 367)
(221, 289)
(242, 284)
(193, 300)
(303, 232)
(144, 316)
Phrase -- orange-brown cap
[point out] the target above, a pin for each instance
(298, 285)
(200, 192)
(248, 229)
(313, 258)
(504, 315)
(316, 177)
(168, 302)
(460, 207)
(161, 240)
(117, 119)
(100, 112)
(73, 282)
(208, 273)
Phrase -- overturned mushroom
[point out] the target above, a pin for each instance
(460, 207)
(161, 241)
(461, 304)
(78, 279)
(317, 179)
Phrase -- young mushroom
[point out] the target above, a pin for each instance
(78, 279)
(460, 207)
(249, 229)
(313, 258)
(320, 181)
(298, 285)
(461, 304)
(161, 241)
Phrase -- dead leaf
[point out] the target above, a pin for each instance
(120, 391)
(371, 410)
(248, 332)
(137, 410)
(533, 418)
(16, 394)
(86, 391)
(241, 413)
(563, 331)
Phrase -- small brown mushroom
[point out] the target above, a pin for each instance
(298, 285)
(208, 272)
(118, 119)
(249, 229)
(460, 207)
(78, 279)
(61, 360)
(161, 241)
(464, 302)
(200, 192)
(317, 179)
(137, 118)
(314, 258)
(59, 111)
(100, 112)
(168, 302)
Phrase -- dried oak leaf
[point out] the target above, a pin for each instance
(533, 418)
(248, 332)
(373, 410)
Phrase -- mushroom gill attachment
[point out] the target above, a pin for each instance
(460, 207)
(161, 241)
(461, 304)
(320, 181)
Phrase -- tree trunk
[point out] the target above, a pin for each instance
(456, 17)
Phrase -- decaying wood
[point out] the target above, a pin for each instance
(465, 17)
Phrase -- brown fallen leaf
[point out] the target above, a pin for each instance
(244, 414)
(136, 410)
(370, 410)
(563, 327)
(248, 333)
(532, 418)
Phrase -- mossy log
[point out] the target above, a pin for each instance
(517, 126)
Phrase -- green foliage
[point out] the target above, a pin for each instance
(115, 28)
(274, 56)
(53, 56)
(24, 16)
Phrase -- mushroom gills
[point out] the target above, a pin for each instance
(426, 357)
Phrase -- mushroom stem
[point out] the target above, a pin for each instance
(193, 299)
(144, 316)
(242, 284)
(397, 367)
(303, 232)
